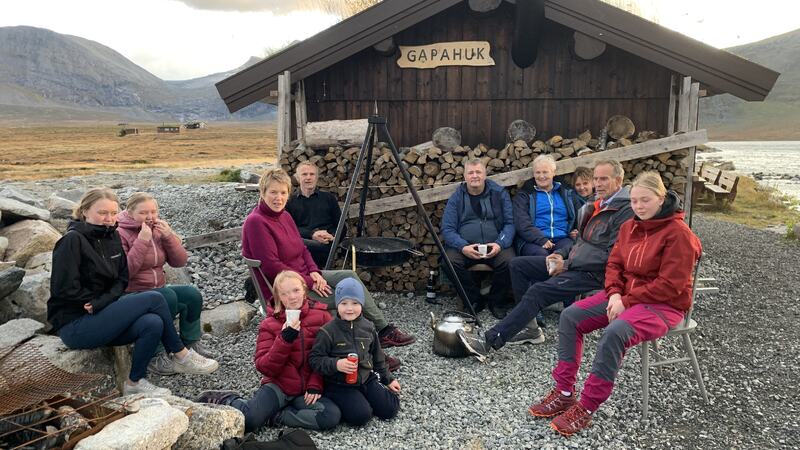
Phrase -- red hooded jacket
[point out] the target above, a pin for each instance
(146, 258)
(653, 261)
(284, 363)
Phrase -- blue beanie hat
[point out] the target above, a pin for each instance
(349, 289)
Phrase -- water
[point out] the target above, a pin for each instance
(779, 161)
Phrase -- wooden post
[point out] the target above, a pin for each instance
(694, 107)
(683, 104)
(300, 115)
(284, 112)
(671, 112)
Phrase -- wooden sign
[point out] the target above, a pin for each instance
(463, 53)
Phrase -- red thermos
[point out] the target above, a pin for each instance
(352, 378)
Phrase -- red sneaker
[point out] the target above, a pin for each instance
(552, 405)
(391, 336)
(392, 363)
(572, 420)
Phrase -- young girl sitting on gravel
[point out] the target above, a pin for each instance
(359, 388)
(290, 392)
(88, 306)
(149, 243)
(648, 289)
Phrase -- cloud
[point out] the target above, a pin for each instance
(275, 6)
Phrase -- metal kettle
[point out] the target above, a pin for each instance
(445, 340)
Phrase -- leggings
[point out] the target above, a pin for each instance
(185, 302)
(271, 402)
(142, 319)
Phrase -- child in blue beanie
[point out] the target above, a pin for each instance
(375, 390)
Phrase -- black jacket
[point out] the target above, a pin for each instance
(339, 337)
(89, 266)
(320, 211)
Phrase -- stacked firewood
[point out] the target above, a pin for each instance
(430, 166)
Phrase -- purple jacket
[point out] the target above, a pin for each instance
(146, 259)
(273, 239)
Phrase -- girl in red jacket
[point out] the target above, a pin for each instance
(290, 392)
(149, 243)
(648, 289)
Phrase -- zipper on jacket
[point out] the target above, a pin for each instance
(353, 334)
(155, 263)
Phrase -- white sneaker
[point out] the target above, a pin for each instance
(194, 364)
(144, 387)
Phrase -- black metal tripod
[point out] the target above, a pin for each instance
(378, 123)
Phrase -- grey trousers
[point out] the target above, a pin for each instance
(370, 310)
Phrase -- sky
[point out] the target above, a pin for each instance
(182, 39)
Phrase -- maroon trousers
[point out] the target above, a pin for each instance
(634, 325)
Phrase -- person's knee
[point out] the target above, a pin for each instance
(329, 417)
(615, 335)
(150, 324)
(388, 411)
(569, 317)
(357, 416)
(192, 297)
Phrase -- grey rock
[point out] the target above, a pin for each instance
(28, 238)
(19, 196)
(60, 208)
(30, 299)
(73, 195)
(15, 210)
(98, 360)
(155, 427)
(209, 425)
(446, 138)
(176, 275)
(249, 177)
(3, 246)
(229, 318)
(42, 260)
(521, 130)
(10, 279)
(16, 331)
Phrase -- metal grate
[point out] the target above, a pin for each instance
(27, 377)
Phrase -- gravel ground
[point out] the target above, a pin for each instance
(745, 343)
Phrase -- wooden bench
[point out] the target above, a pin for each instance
(721, 185)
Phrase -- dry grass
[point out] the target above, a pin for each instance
(64, 150)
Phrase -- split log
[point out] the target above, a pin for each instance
(344, 133)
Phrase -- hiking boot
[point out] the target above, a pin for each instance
(573, 420)
(194, 364)
(161, 364)
(201, 349)
(474, 344)
(528, 335)
(144, 387)
(391, 336)
(552, 405)
(217, 397)
(392, 363)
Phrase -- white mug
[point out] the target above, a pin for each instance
(292, 315)
(483, 249)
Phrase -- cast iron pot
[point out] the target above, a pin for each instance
(380, 251)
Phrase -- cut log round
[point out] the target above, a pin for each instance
(620, 127)
(587, 47)
(345, 133)
(446, 138)
(520, 130)
(385, 47)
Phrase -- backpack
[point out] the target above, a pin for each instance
(291, 440)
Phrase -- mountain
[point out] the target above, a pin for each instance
(50, 76)
(729, 118)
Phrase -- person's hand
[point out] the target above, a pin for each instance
(573, 234)
(310, 398)
(558, 262)
(494, 249)
(548, 245)
(146, 233)
(327, 236)
(88, 307)
(295, 324)
(163, 227)
(615, 307)
(471, 251)
(321, 236)
(321, 286)
(394, 386)
(344, 365)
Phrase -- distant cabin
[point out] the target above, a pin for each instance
(194, 125)
(128, 131)
(168, 129)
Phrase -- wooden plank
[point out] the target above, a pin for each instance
(671, 110)
(683, 104)
(282, 107)
(215, 237)
(635, 151)
(689, 161)
(694, 103)
(300, 110)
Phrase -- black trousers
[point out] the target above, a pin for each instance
(501, 279)
(359, 402)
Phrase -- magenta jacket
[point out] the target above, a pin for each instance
(273, 239)
(146, 259)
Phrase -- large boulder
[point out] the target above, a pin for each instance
(10, 279)
(156, 426)
(42, 261)
(71, 194)
(30, 299)
(15, 331)
(97, 360)
(14, 210)
(19, 196)
(446, 138)
(228, 318)
(28, 238)
(3, 246)
(60, 212)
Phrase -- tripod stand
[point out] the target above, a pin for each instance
(376, 124)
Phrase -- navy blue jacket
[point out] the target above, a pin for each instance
(454, 212)
(525, 203)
